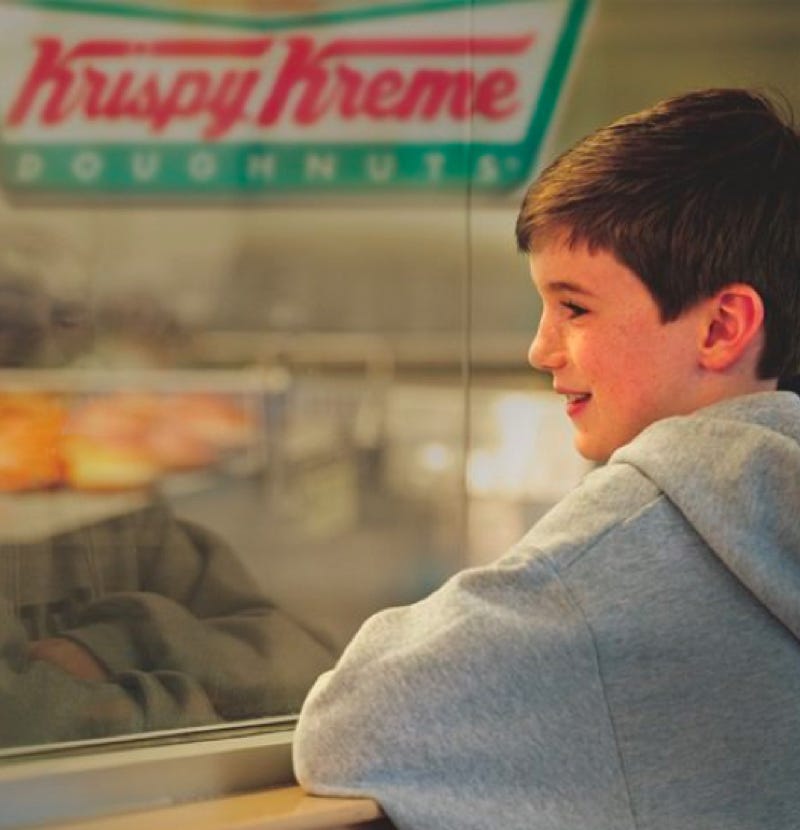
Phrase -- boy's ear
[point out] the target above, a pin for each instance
(733, 323)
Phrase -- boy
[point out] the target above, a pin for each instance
(634, 661)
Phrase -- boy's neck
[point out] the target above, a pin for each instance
(722, 387)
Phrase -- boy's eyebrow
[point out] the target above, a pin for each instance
(566, 286)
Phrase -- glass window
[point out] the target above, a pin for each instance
(263, 327)
(232, 396)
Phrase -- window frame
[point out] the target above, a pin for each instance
(88, 779)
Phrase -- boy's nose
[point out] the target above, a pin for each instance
(545, 353)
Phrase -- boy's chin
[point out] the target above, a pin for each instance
(596, 449)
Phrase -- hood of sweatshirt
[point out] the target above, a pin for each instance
(733, 470)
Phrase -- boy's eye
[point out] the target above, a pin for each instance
(574, 309)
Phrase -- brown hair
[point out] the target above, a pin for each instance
(697, 192)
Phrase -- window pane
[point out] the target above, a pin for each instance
(231, 398)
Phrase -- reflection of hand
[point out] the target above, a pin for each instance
(68, 656)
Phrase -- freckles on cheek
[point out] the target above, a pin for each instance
(609, 357)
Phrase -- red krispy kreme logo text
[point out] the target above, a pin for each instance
(159, 83)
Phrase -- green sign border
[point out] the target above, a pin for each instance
(459, 156)
(255, 22)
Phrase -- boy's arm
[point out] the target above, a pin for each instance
(200, 615)
(481, 706)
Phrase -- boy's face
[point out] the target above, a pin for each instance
(619, 367)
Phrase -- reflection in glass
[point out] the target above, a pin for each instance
(199, 506)
(117, 615)
(141, 622)
(234, 418)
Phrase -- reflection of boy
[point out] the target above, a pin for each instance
(140, 623)
(634, 660)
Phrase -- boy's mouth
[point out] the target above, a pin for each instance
(576, 402)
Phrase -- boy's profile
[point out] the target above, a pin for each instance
(633, 662)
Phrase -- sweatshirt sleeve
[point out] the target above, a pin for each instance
(481, 706)
(198, 620)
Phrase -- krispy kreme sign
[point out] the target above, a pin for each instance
(418, 96)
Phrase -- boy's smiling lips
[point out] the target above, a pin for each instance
(576, 401)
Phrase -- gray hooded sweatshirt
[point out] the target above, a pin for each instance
(632, 663)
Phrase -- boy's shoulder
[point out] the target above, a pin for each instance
(608, 498)
(743, 446)
(685, 470)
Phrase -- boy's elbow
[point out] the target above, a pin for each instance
(321, 769)
(323, 745)
(310, 756)
(315, 770)
(340, 744)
